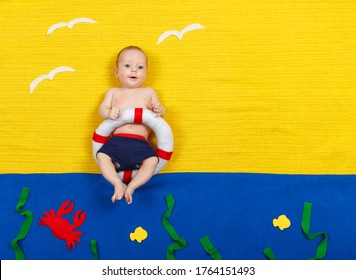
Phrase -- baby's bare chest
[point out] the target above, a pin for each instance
(131, 100)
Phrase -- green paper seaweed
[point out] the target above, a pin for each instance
(269, 253)
(19, 254)
(209, 248)
(179, 243)
(94, 249)
(321, 249)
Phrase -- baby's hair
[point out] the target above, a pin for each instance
(130, 48)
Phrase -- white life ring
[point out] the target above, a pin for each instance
(137, 116)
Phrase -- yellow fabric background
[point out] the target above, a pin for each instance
(266, 86)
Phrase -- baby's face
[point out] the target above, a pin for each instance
(132, 69)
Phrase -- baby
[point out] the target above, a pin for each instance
(129, 146)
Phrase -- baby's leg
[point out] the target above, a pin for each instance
(145, 173)
(108, 171)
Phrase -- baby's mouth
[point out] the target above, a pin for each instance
(133, 77)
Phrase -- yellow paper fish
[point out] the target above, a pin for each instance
(282, 222)
(139, 235)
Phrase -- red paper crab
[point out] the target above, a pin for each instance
(60, 227)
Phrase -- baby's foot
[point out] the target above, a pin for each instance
(119, 192)
(128, 194)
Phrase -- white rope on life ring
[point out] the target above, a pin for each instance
(137, 116)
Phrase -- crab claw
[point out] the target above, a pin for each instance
(48, 215)
(79, 218)
(66, 207)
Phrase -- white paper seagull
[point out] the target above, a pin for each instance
(179, 34)
(69, 24)
(49, 76)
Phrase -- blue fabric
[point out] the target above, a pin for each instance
(235, 210)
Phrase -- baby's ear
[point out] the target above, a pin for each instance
(116, 72)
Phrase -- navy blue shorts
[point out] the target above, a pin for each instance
(127, 152)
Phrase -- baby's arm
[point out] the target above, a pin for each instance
(156, 105)
(105, 110)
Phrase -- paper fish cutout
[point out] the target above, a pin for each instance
(69, 24)
(179, 34)
(282, 222)
(49, 76)
(139, 235)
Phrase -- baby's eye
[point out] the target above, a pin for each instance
(140, 67)
(127, 65)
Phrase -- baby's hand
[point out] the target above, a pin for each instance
(114, 113)
(157, 108)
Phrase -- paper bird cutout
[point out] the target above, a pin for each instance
(49, 76)
(69, 24)
(179, 34)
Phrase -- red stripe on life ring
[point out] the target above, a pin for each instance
(138, 115)
(99, 138)
(127, 176)
(164, 154)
